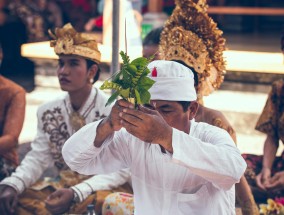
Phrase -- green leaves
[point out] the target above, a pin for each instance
(131, 82)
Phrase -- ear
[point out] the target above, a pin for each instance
(192, 109)
(92, 71)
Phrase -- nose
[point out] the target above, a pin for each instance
(63, 70)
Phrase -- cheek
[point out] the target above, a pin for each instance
(171, 119)
(80, 75)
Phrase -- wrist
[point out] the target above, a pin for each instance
(104, 130)
(166, 141)
(266, 168)
(76, 198)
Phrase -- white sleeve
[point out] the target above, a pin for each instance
(101, 182)
(35, 162)
(82, 156)
(213, 156)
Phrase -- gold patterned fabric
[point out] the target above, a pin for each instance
(271, 120)
(68, 41)
(31, 201)
(12, 113)
(191, 36)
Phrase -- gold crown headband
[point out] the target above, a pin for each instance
(68, 41)
(191, 36)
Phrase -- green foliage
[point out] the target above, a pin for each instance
(131, 82)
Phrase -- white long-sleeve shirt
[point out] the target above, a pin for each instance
(53, 129)
(198, 178)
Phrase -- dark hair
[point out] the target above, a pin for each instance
(90, 63)
(192, 69)
(153, 37)
(184, 104)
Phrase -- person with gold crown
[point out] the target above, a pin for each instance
(192, 38)
(23, 192)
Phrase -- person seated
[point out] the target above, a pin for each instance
(23, 192)
(12, 115)
(162, 44)
(265, 173)
(174, 161)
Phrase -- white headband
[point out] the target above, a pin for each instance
(173, 81)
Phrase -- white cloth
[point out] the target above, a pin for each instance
(173, 81)
(52, 131)
(198, 178)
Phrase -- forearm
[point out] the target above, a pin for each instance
(7, 142)
(13, 124)
(101, 182)
(269, 152)
(104, 130)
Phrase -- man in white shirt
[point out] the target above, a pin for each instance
(78, 69)
(178, 166)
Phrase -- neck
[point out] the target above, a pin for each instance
(200, 114)
(79, 97)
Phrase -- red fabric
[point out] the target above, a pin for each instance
(98, 22)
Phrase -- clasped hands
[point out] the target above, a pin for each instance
(270, 183)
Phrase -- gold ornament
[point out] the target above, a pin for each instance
(191, 36)
(68, 41)
(76, 120)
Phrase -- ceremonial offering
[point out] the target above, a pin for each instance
(131, 82)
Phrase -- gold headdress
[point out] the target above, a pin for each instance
(191, 36)
(68, 41)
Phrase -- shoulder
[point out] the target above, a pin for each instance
(277, 88)
(218, 119)
(53, 104)
(215, 118)
(10, 88)
(207, 132)
(278, 83)
(204, 127)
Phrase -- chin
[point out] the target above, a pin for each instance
(64, 88)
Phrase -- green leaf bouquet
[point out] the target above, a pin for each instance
(131, 82)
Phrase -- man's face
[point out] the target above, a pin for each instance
(173, 114)
(151, 50)
(72, 73)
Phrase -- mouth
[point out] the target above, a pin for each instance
(64, 81)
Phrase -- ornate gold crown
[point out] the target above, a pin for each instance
(191, 36)
(68, 41)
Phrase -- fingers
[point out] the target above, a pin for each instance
(259, 181)
(274, 182)
(275, 178)
(123, 103)
(7, 198)
(147, 110)
(59, 201)
(54, 195)
(14, 203)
